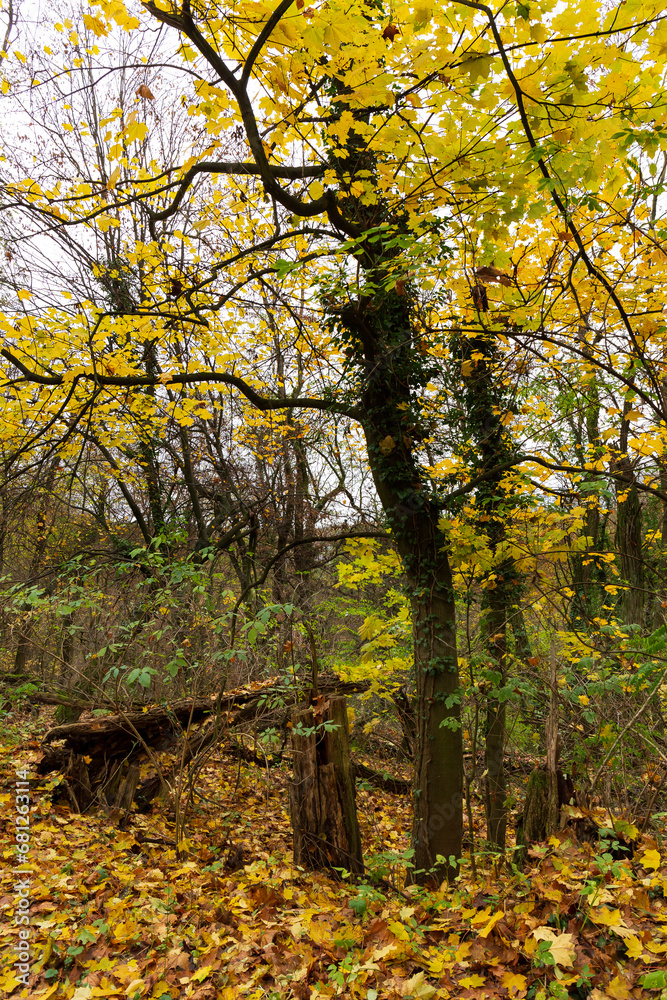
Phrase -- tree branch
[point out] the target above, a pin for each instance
(263, 403)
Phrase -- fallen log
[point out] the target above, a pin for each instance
(128, 737)
(397, 786)
(126, 727)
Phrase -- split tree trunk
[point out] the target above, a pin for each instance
(322, 803)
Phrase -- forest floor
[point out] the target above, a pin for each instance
(116, 913)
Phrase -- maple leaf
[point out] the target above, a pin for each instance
(650, 859)
(561, 946)
(515, 983)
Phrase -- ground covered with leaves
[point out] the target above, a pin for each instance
(116, 913)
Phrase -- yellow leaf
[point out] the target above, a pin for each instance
(113, 179)
(160, 990)
(462, 952)
(561, 946)
(608, 918)
(472, 982)
(562, 135)
(105, 221)
(319, 933)
(387, 445)
(202, 973)
(95, 25)
(618, 989)
(650, 859)
(634, 946)
(416, 987)
(24, 294)
(491, 924)
(514, 982)
(563, 950)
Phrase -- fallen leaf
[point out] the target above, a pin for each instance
(649, 859)
(515, 983)
(561, 946)
(491, 924)
(471, 982)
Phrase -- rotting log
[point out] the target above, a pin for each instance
(322, 800)
(125, 737)
(118, 733)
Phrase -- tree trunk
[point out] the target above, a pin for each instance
(488, 443)
(553, 807)
(494, 754)
(24, 645)
(322, 801)
(629, 530)
(380, 333)
(437, 825)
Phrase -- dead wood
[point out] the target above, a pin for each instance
(380, 779)
(322, 805)
(126, 736)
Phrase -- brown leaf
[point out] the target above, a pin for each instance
(390, 32)
(492, 274)
(565, 237)
(480, 298)
(144, 91)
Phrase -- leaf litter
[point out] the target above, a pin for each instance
(117, 913)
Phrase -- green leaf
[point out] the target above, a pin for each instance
(654, 980)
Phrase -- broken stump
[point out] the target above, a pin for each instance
(322, 801)
(536, 822)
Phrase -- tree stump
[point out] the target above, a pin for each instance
(322, 802)
(77, 783)
(121, 808)
(536, 821)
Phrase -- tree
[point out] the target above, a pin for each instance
(386, 160)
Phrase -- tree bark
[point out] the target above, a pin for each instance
(414, 517)
(553, 808)
(24, 645)
(322, 802)
(438, 794)
(629, 530)
(494, 751)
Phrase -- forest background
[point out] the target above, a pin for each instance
(334, 354)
